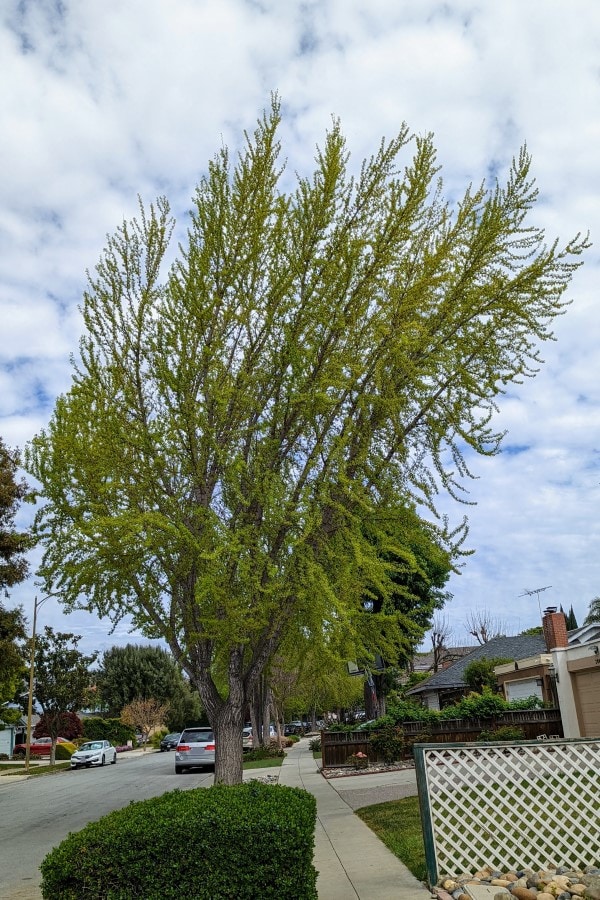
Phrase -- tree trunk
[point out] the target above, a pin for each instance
(266, 714)
(227, 725)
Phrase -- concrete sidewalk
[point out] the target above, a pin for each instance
(352, 862)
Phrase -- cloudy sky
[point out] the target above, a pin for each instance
(103, 101)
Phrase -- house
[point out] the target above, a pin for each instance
(448, 685)
(569, 670)
(10, 735)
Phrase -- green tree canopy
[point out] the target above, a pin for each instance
(479, 674)
(315, 353)
(62, 678)
(593, 613)
(13, 544)
(142, 672)
(12, 661)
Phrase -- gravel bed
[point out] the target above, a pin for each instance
(348, 771)
(560, 883)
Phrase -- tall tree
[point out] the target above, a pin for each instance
(571, 619)
(62, 678)
(12, 661)
(13, 544)
(142, 672)
(313, 355)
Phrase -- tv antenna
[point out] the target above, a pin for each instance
(537, 592)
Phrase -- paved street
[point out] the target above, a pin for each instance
(38, 813)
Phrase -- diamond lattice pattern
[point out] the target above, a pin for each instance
(517, 805)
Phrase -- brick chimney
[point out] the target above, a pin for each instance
(554, 625)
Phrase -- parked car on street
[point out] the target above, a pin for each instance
(247, 739)
(170, 741)
(39, 746)
(94, 753)
(195, 750)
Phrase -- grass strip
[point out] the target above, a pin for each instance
(268, 763)
(43, 770)
(398, 824)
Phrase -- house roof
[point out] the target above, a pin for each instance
(584, 634)
(517, 647)
(423, 662)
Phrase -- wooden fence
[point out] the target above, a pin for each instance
(337, 746)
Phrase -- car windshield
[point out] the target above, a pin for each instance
(196, 737)
(92, 745)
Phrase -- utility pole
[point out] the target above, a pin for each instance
(36, 605)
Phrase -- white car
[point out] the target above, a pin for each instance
(94, 753)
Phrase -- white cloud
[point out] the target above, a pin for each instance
(105, 101)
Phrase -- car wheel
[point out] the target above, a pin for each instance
(114, 760)
(88, 765)
(179, 770)
(103, 763)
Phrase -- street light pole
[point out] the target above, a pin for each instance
(36, 606)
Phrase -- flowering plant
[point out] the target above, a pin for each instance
(359, 760)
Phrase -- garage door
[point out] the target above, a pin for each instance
(587, 686)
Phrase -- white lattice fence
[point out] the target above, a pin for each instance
(531, 804)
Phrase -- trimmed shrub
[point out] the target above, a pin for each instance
(388, 744)
(271, 752)
(64, 751)
(245, 841)
(314, 745)
(503, 733)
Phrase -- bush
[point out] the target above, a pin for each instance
(263, 753)
(314, 745)
(292, 738)
(476, 706)
(503, 733)
(64, 751)
(388, 744)
(246, 841)
(113, 730)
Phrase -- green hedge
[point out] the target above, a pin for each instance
(246, 841)
(97, 729)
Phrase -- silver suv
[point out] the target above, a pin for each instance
(196, 749)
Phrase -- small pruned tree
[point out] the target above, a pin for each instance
(319, 352)
(441, 633)
(483, 626)
(145, 714)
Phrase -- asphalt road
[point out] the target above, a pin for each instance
(37, 813)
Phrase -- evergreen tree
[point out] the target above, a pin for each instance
(13, 544)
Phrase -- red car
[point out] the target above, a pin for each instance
(39, 746)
